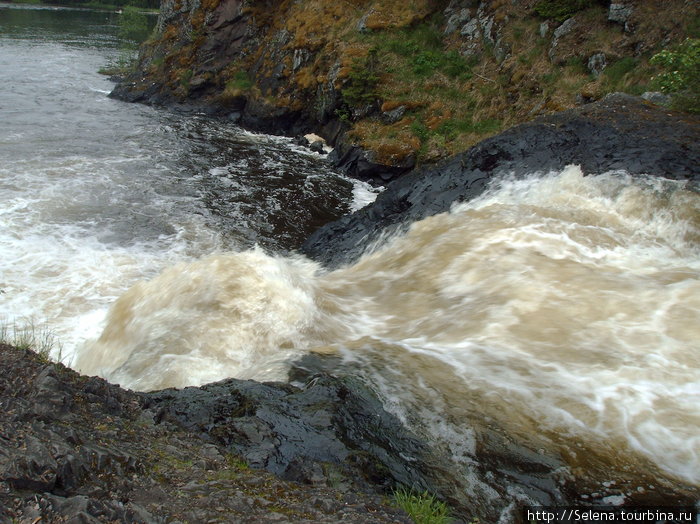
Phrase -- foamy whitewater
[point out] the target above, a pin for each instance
(560, 305)
(561, 311)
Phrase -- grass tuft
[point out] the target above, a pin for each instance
(423, 508)
(29, 336)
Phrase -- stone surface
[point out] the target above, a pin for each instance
(619, 132)
(456, 20)
(561, 31)
(597, 63)
(77, 449)
(655, 97)
(620, 13)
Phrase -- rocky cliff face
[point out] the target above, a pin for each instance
(395, 84)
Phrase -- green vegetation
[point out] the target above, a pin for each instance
(423, 508)
(40, 339)
(361, 89)
(236, 462)
(134, 28)
(682, 75)
(415, 67)
(693, 29)
(133, 25)
(185, 78)
(240, 81)
(560, 10)
(423, 49)
(110, 4)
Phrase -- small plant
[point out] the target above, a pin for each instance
(423, 508)
(615, 72)
(343, 114)
(419, 129)
(236, 462)
(185, 78)
(28, 336)
(682, 77)
(239, 82)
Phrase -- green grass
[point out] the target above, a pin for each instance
(452, 128)
(423, 508)
(240, 81)
(422, 50)
(615, 72)
(29, 336)
(560, 10)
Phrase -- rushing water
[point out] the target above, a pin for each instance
(563, 309)
(98, 194)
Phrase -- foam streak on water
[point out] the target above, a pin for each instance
(564, 307)
(98, 194)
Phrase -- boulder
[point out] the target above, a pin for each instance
(597, 63)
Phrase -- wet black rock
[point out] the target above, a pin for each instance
(78, 449)
(619, 132)
(329, 426)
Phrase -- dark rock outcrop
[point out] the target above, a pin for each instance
(335, 423)
(619, 132)
(78, 449)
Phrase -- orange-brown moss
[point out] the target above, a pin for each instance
(440, 108)
(388, 14)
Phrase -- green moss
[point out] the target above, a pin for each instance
(240, 81)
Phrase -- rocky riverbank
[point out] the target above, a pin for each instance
(78, 449)
(396, 85)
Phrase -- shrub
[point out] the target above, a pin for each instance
(361, 88)
(682, 77)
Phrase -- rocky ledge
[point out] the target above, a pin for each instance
(619, 132)
(78, 449)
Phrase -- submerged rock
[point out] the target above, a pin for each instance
(618, 132)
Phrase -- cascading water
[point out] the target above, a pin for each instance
(563, 310)
(562, 306)
(98, 194)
